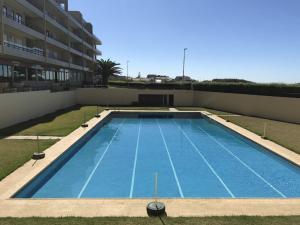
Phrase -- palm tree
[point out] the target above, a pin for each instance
(107, 68)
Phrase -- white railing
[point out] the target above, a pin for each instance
(36, 51)
(11, 16)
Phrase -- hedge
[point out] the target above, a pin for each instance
(273, 89)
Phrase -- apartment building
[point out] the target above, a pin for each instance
(42, 43)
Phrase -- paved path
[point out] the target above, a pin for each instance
(33, 138)
(137, 207)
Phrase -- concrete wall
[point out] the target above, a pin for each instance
(277, 108)
(124, 96)
(23, 106)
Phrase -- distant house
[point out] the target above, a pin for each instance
(118, 77)
(185, 78)
(142, 79)
(158, 78)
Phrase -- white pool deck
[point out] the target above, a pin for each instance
(33, 138)
(136, 207)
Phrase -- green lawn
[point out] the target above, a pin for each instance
(14, 153)
(60, 123)
(155, 221)
(285, 134)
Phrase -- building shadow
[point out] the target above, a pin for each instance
(15, 129)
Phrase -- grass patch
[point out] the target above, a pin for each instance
(292, 220)
(14, 153)
(285, 134)
(60, 123)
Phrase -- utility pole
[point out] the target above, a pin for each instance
(127, 69)
(184, 52)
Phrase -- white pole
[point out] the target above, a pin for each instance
(265, 130)
(156, 186)
(38, 143)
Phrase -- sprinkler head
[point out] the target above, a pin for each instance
(38, 155)
(156, 209)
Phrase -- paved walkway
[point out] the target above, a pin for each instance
(137, 207)
(33, 138)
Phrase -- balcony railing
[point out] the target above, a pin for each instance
(22, 21)
(19, 20)
(54, 56)
(35, 51)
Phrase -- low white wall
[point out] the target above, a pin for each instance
(276, 108)
(126, 96)
(23, 106)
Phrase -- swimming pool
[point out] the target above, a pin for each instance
(193, 156)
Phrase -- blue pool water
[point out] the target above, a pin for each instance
(193, 157)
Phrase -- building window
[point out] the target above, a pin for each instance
(32, 74)
(19, 73)
(5, 73)
(1, 73)
(4, 10)
(43, 76)
(18, 18)
(52, 75)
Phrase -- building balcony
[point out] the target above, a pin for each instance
(75, 51)
(20, 51)
(28, 4)
(75, 37)
(79, 40)
(57, 6)
(75, 66)
(57, 43)
(56, 61)
(56, 24)
(20, 25)
(87, 57)
(98, 52)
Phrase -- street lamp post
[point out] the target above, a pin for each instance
(184, 51)
(127, 65)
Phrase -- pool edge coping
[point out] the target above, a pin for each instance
(121, 207)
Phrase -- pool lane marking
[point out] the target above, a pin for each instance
(170, 159)
(242, 162)
(99, 161)
(135, 160)
(205, 160)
